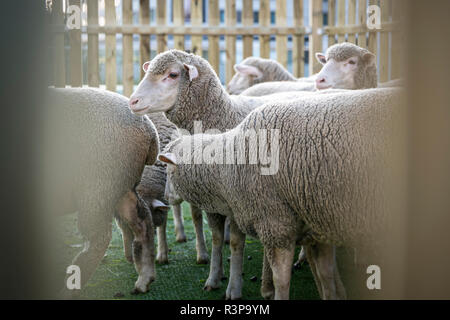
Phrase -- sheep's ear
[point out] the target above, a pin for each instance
(369, 58)
(160, 205)
(168, 158)
(145, 66)
(321, 58)
(192, 71)
(248, 70)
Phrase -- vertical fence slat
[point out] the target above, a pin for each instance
(127, 43)
(362, 14)
(264, 21)
(331, 20)
(341, 19)
(161, 21)
(110, 47)
(397, 43)
(247, 20)
(315, 40)
(298, 51)
(384, 43)
(352, 19)
(230, 41)
(58, 52)
(196, 19)
(76, 78)
(144, 40)
(213, 41)
(178, 20)
(92, 67)
(281, 41)
(372, 39)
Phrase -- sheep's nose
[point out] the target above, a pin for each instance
(133, 102)
(321, 83)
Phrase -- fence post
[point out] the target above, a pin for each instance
(144, 41)
(92, 67)
(331, 21)
(298, 51)
(110, 47)
(247, 20)
(178, 20)
(341, 19)
(352, 19)
(127, 43)
(58, 52)
(384, 42)
(264, 21)
(315, 40)
(196, 19)
(230, 41)
(161, 21)
(76, 77)
(213, 41)
(372, 39)
(362, 14)
(397, 41)
(281, 41)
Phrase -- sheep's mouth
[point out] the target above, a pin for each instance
(140, 110)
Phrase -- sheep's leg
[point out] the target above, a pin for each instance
(163, 248)
(340, 288)
(178, 222)
(267, 288)
(227, 231)
(237, 243)
(324, 257)
(301, 258)
(200, 245)
(313, 267)
(281, 260)
(216, 223)
(127, 238)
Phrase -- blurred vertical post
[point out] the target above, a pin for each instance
(372, 39)
(341, 20)
(247, 21)
(264, 21)
(144, 41)
(213, 41)
(92, 68)
(384, 42)
(127, 43)
(281, 41)
(76, 77)
(315, 40)
(196, 19)
(178, 21)
(398, 8)
(331, 20)
(298, 49)
(230, 41)
(58, 44)
(351, 19)
(362, 16)
(161, 21)
(110, 47)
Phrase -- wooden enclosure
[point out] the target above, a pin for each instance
(290, 31)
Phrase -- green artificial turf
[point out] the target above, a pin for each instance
(182, 278)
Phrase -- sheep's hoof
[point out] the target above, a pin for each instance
(181, 238)
(268, 295)
(203, 259)
(163, 259)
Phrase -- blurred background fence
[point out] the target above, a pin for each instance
(115, 37)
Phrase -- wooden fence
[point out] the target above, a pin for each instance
(295, 33)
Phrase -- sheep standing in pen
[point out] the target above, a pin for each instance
(97, 158)
(188, 86)
(322, 173)
(151, 189)
(345, 66)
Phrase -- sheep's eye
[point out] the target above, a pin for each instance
(173, 75)
(352, 62)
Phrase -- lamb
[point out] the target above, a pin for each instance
(346, 66)
(98, 155)
(322, 169)
(255, 70)
(151, 189)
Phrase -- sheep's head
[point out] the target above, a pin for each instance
(246, 76)
(165, 77)
(170, 194)
(347, 66)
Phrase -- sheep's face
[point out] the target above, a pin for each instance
(346, 66)
(170, 194)
(244, 78)
(158, 91)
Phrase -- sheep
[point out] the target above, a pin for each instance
(254, 70)
(322, 170)
(346, 66)
(98, 155)
(151, 189)
(187, 89)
